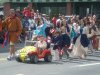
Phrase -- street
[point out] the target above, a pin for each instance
(59, 30)
(72, 66)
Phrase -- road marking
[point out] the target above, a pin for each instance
(84, 65)
(19, 74)
(3, 59)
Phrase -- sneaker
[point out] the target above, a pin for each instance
(9, 58)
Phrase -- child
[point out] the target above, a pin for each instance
(41, 44)
(56, 39)
(66, 41)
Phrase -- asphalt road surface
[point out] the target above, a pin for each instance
(72, 66)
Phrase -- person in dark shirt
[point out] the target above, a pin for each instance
(57, 41)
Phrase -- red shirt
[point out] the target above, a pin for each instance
(54, 20)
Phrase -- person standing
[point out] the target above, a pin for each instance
(57, 41)
(95, 40)
(1, 32)
(54, 19)
(66, 41)
(80, 47)
(14, 28)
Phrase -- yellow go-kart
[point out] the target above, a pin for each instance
(33, 54)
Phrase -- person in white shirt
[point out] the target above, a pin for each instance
(81, 45)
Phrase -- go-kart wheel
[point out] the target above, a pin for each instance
(33, 59)
(18, 59)
(48, 58)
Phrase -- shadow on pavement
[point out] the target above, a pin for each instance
(43, 63)
(95, 57)
(53, 62)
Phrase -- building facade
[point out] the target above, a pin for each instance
(66, 7)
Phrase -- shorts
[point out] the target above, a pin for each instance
(11, 43)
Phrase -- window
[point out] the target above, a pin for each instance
(47, 0)
(89, 0)
(18, 0)
(25, 0)
(63, 0)
(10, 0)
(98, 0)
(80, 0)
(39, 0)
(55, 0)
(71, 0)
(32, 0)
